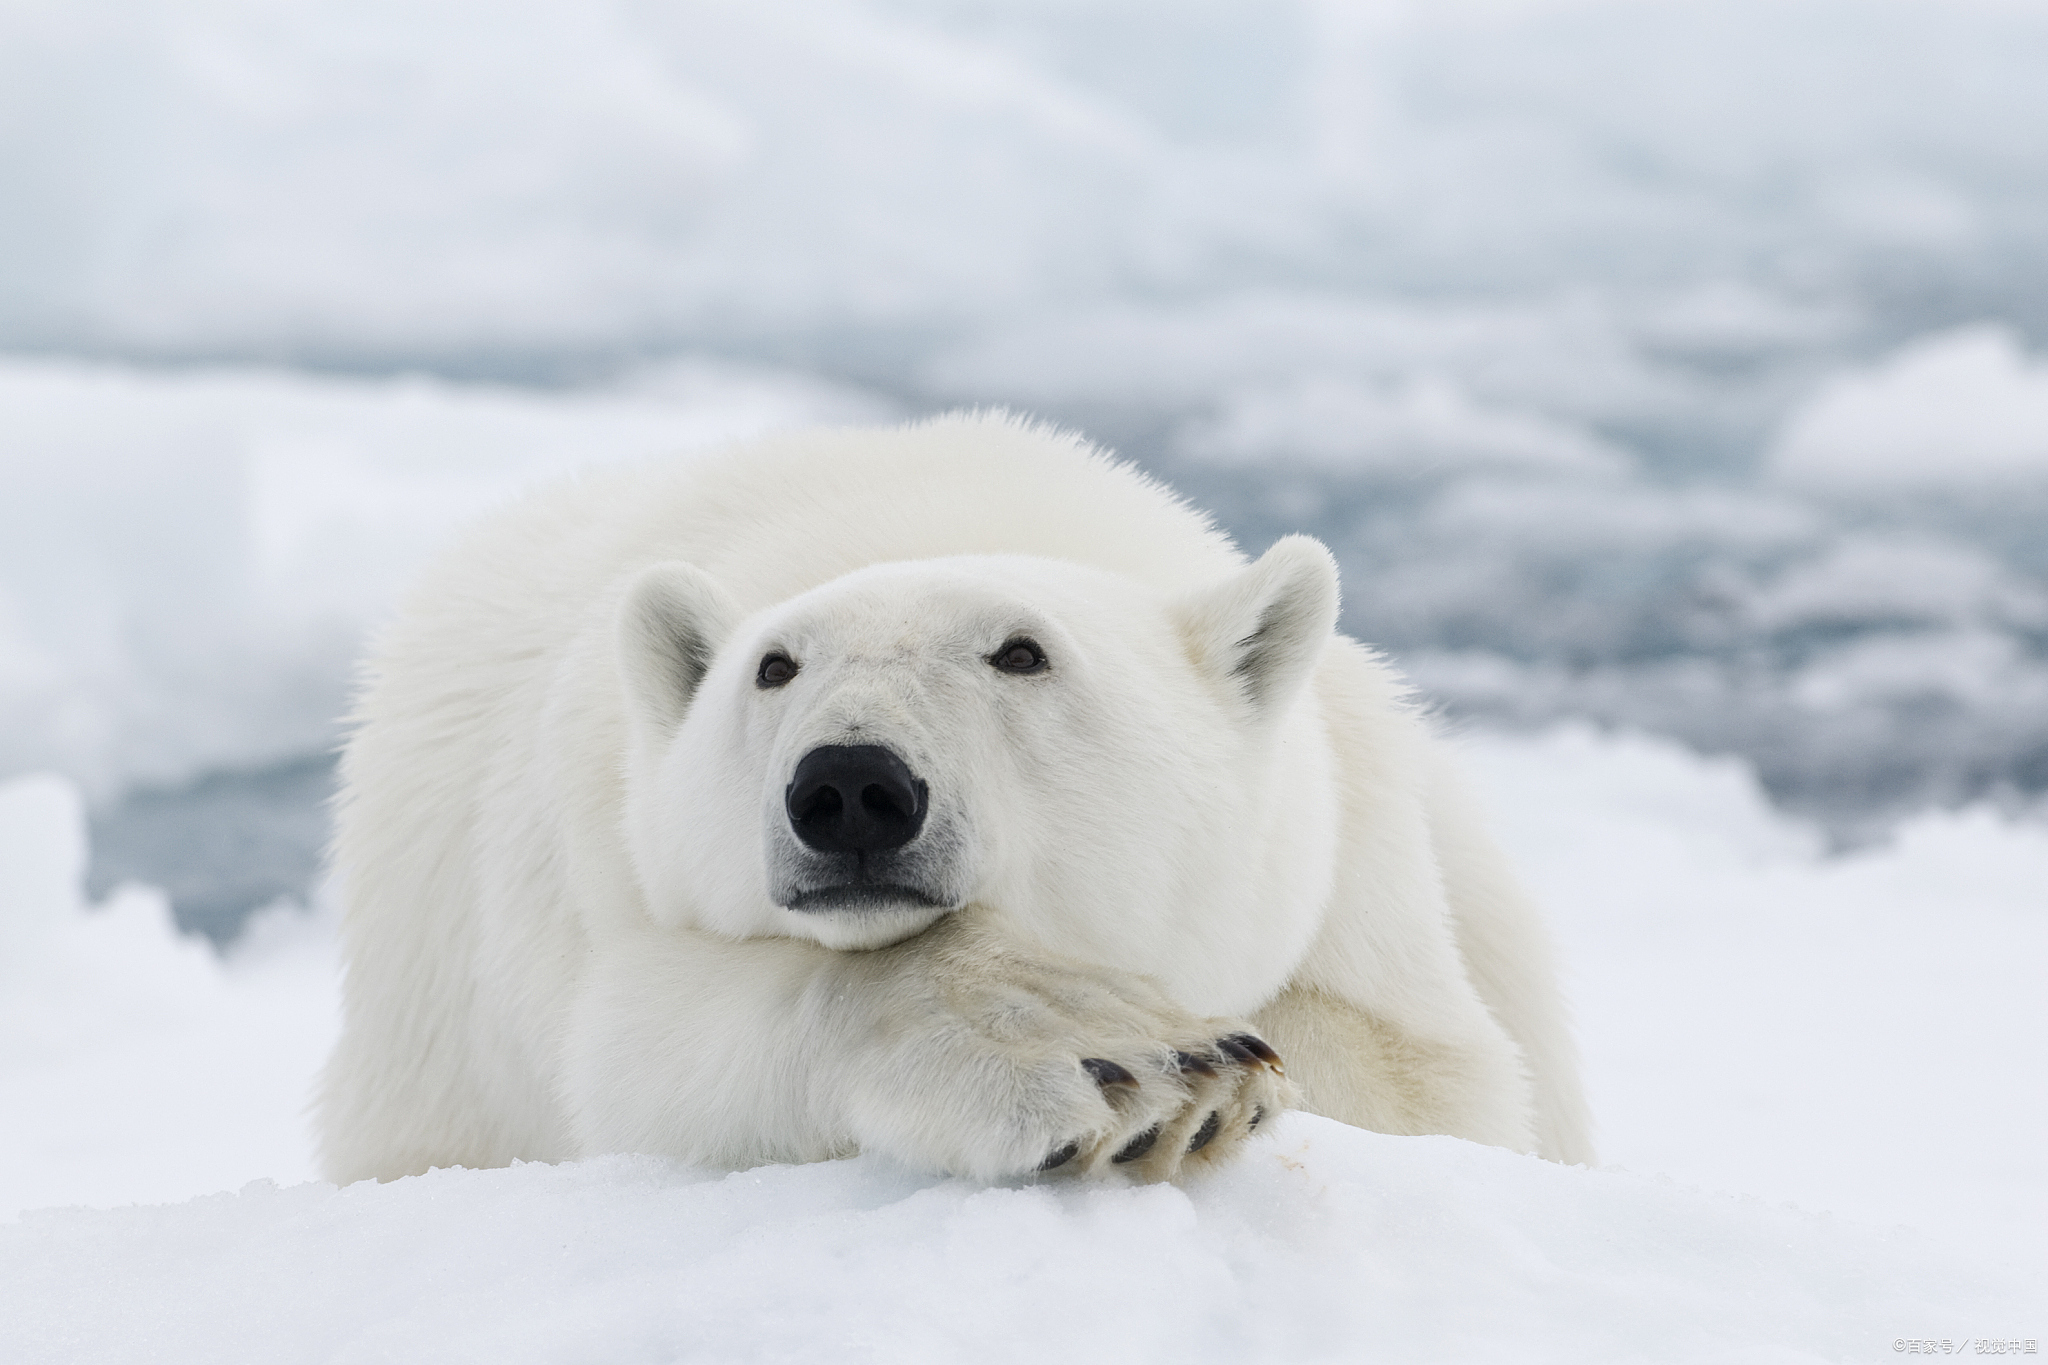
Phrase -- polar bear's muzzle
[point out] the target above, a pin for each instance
(857, 811)
(855, 798)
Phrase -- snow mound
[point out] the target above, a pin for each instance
(1325, 1243)
(1963, 409)
(135, 1064)
(1857, 1033)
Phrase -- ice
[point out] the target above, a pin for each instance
(135, 1062)
(507, 179)
(42, 866)
(1812, 1076)
(1964, 410)
(1863, 579)
(1569, 357)
(533, 182)
(1425, 423)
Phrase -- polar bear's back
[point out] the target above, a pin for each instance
(775, 517)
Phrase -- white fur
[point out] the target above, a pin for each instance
(563, 840)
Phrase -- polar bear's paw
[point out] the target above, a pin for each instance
(997, 1064)
(1203, 1102)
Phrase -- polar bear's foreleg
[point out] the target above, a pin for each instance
(1361, 1069)
(952, 1051)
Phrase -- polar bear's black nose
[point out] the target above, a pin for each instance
(854, 798)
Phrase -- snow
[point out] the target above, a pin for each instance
(1326, 1243)
(135, 1063)
(1765, 1026)
(1855, 1033)
(1963, 410)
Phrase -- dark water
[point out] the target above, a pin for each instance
(221, 847)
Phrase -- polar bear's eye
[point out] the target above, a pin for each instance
(1019, 656)
(777, 668)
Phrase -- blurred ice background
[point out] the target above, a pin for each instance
(1671, 378)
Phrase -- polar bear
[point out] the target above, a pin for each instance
(950, 791)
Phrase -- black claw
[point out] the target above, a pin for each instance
(1236, 1051)
(1257, 1046)
(1137, 1146)
(1061, 1157)
(1106, 1072)
(1206, 1134)
(1258, 1117)
(1190, 1062)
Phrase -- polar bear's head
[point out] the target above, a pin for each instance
(1056, 742)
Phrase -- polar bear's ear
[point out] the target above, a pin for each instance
(671, 623)
(1264, 627)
